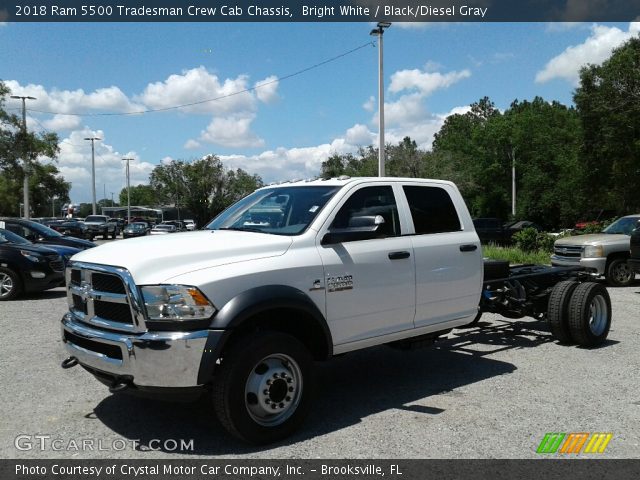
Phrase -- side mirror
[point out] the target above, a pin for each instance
(359, 228)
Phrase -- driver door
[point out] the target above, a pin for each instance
(369, 284)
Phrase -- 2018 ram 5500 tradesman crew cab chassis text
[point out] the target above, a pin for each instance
(293, 274)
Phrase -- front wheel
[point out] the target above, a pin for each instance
(9, 284)
(619, 273)
(262, 389)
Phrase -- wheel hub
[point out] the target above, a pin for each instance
(6, 284)
(273, 389)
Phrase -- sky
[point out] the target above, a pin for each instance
(275, 99)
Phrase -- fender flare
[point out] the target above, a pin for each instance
(245, 306)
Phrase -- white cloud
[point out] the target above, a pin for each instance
(359, 135)
(191, 144)
(74, 163)
(197, 85)
(594, 50)
(266, 90)
(233, 131)
(72, 101)
(62, 122)
(425, 82)
(370, 104)
(407, 109)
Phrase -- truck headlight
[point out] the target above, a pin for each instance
(32, 256)
(593, 251)
(176, 302)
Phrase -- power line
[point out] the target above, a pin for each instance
(255, 87)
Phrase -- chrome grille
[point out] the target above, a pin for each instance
(104, 296)
(567, 251)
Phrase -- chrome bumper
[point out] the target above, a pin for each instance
(592, 264)
(152, 359)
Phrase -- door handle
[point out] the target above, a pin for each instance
(398, 255)
(468, 248)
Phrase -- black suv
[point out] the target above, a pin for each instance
(38, 233)
(27, 268)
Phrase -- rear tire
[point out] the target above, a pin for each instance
(263, 388)
(10, 286)
(558, 310)
(590, 314)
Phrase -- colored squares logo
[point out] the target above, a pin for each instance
(568, 443)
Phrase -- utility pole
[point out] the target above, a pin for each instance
(112, 199)
(128, 190)
(25, 183)
(93, 171)
(513, 182)
(379, 32)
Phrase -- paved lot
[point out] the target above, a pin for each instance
(487, 392)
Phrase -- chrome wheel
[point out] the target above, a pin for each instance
(619, 274)
(273, 390)
(6, 285)
(598, 316)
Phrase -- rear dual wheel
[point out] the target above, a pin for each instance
(579, 313)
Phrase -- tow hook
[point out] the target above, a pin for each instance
(69, 362)
(120, 384)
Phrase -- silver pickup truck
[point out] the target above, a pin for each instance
(603, 253)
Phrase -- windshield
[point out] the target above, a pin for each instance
(96, 218)
(280, 211)
(43, 230)
(623, 225)
(9, 237)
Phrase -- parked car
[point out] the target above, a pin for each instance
(634, 250)
(137, 229)
(120, 222)
(25, 267)
(180, 226)
(64, 251)
(519, 225)
(492, 230)
(38, 233)
(100, 225)
(163, 229)
(190, 224)
(72, 227)
(603, 253)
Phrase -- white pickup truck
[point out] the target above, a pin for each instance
(297, 273)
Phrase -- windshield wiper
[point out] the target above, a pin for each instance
(244, 229)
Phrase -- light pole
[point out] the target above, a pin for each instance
(128, 190)
(93, 171)
(25, 183)
(379, 32)
(53, 206)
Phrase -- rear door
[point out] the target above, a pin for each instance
(447, 252)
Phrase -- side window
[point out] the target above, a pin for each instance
(432, 210)
(371, 201)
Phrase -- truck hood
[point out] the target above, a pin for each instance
(594, 239)
(155, 259)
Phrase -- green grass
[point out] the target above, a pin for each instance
(516, 256)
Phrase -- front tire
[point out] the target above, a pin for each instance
(590, 314)
(263, 388)
(10, 285)
(619, 273)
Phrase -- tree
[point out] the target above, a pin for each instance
(16, 146)
(204, 186)
(608, 102)
(141, 195)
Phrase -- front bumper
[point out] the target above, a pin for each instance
(591, 264)
(151, 359)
